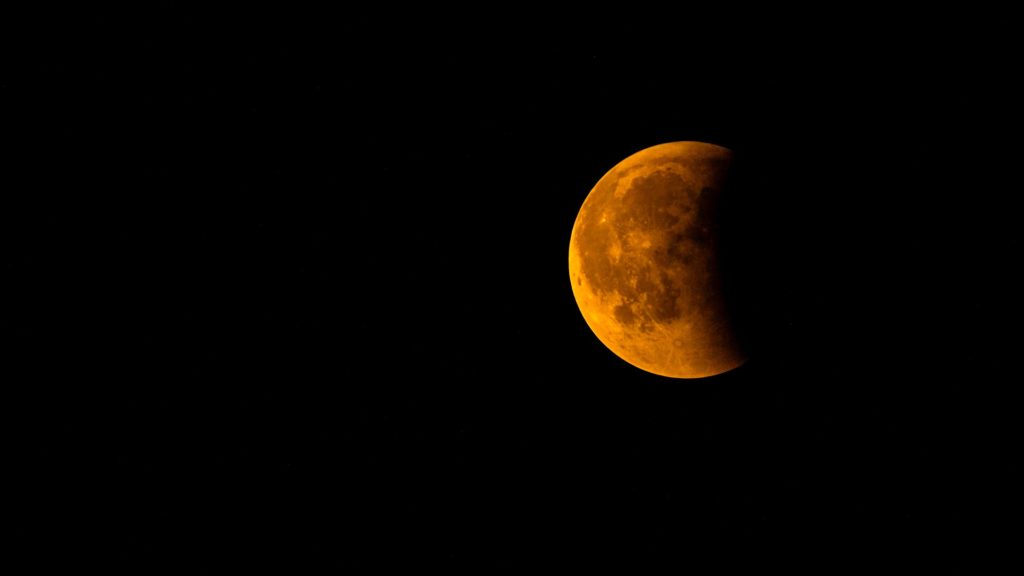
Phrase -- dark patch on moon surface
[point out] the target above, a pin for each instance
(664, 302)
(624, 314)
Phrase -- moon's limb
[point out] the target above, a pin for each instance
(643, 261)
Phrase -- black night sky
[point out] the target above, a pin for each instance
(294, 291)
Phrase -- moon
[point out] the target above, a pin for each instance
(644, 261)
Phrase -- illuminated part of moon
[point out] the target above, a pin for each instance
(643, 261)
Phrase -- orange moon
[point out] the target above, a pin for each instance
(644, 262)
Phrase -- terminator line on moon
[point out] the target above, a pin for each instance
(643, 261)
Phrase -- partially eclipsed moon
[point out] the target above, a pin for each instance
(643, 261)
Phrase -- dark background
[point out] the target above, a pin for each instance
(293, 293)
